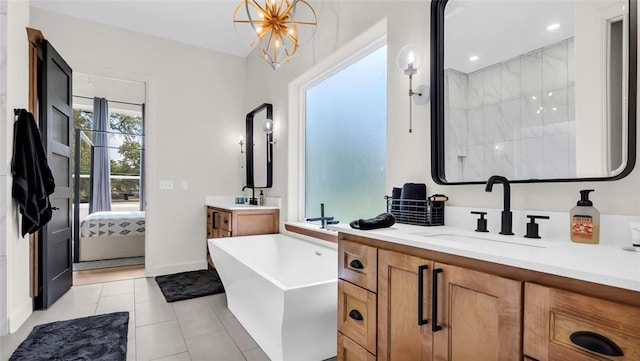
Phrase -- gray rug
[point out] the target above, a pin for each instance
(93, 338)
(186, 285)
(108, 263)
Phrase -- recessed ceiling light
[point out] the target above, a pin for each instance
(553, 27)
(474, 58)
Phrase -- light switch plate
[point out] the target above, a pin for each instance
(166, 185)
(184, 185)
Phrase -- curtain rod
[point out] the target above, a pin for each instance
(111, 101)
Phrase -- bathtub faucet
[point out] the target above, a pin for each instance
(323, 220)
(253, 200)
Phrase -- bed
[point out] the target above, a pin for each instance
(106, 235)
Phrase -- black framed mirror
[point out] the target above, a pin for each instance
(510, 97)
(259, 159)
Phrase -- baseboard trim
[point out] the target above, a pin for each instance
(18, 318)
(176, 268)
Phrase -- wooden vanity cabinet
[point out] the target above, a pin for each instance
(222, 222)
(561, 325)
(400, 337)
(478, 314)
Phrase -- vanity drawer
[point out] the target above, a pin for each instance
(357, 317)
(348, 350)
(358, 264)
(225, 221)
(553, 317)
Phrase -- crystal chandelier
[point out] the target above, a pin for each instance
(279, 27)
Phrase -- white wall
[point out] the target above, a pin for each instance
(3, 170)
(195, 111)
(18, 301)
(408, 154)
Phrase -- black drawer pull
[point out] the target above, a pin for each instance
(356, 315)
(596, 343)
(421, 320)
(356, 264)
(434, 301)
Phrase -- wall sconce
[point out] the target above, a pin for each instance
(268, 129)
(241, 142)
(409, 60)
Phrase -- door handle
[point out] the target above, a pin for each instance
(421, 320)
(434, 301)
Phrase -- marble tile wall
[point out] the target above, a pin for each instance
(3, 167)
(515, 118)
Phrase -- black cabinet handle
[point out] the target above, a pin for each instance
(213, 220)
(356, 264)
(55, 208)
(434, 301)
(596, 343)
(356, 315)
(421, 320)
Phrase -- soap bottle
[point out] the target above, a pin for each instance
(585, 220)
(261, 199)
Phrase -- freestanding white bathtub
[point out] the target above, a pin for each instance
(283, 290)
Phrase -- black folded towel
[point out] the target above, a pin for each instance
(383, 220)
(396, 194)
(414, 191)
(413, 199)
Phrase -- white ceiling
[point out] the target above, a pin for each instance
(495, 30)
(204, 23)
(498, 30)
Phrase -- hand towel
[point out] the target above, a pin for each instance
(383, 220)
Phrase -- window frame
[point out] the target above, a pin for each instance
(366, 43)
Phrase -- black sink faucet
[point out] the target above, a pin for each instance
(505, 228)
(253, 200)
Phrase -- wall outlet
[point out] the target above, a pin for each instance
(184, 185)
(166, 185)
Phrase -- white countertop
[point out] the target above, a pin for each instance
(228, 202)
(607, 265)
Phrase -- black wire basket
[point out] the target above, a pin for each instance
(429, 212)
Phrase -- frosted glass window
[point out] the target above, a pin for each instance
(346, 141)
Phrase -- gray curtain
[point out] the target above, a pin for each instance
(101, 166)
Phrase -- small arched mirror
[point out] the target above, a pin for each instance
(259, 128)
(534, 90)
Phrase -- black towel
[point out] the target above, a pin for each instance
(413, 200)
(414, 191)
(396, 194)
(33, 182)
(383, 220)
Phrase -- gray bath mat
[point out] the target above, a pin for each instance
(186, 285)
(93, 338)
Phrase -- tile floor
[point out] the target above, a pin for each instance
(197, 329)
